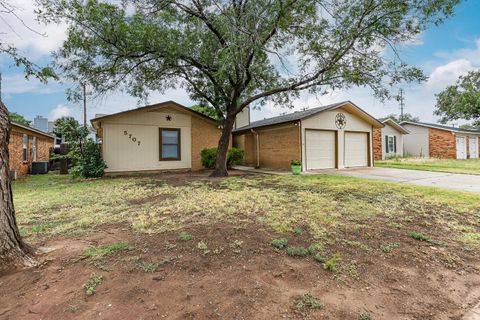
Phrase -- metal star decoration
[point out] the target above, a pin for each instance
(340, 121)
(169, 118)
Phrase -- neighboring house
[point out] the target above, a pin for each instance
(163, 136)
(388, 141)
(438, 141)
(27, 145)
(333, 136)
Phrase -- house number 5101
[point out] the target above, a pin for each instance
(131, 137)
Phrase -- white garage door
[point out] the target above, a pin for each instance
(320, 149)
(356, 149)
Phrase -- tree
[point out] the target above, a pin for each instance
(13, 250)
(207, 110)
(84, 152)
(405, 117)
(461, 100)
(230, 54)
(18, 118)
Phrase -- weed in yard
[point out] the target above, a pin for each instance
(389, 247)
(352, 269)
(280, 243)
(100, 252)
(170, 246)
(148, 267)
(306, 302)
(297, 251)
(319, 258)
(236, 245)
(419, 236)
(258, 285)
(332, 263)
(297, 231)
(203, 247)
(91, 285)
(184, 236)
(167, 260)
(314, 247)
(365, 316)
(394, 225)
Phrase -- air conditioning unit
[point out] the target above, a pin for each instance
(39, 167)
(13, 175)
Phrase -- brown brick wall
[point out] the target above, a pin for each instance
(377, 144)
(442, 144)
(204, 135)
(247, 142)
(15, 148)
(278, 147)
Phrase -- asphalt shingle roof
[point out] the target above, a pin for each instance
(294, 116)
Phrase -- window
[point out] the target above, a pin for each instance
(25, 148)
(169, 144)
(34, 143)
(391, 144)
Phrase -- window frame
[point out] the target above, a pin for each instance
(34, 148)
(25, 147)
(391, 143)
(178, 144)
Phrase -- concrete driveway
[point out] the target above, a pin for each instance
(453, 181)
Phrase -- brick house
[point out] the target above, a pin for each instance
(438, 141)
(388, 141)
(334, 136)
(27, 145)
(163, 136)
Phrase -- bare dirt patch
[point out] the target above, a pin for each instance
(243, 277)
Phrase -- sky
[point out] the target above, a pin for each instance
(443, 52)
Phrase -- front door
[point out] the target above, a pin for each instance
(473, 147)
(461, 148)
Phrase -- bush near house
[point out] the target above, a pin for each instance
(209, 155)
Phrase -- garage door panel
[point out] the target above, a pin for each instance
(320, 149)
(356, 149)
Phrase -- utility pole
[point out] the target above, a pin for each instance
(401, 98)
(84, 105)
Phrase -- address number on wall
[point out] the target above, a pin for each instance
(132, 137)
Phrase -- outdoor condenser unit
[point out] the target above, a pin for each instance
(39, 167)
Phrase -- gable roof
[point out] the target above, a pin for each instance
(394, 124)
(300, 115)
(156, 106)
(32, 129)
(441, 127)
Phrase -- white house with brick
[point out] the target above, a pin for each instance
(388, 141)
(438, 141)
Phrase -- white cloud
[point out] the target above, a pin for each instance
(447, 74)
(17, 84)
(28, 35)
(59, 112)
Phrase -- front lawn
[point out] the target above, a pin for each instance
(248, 246)
(470, 166)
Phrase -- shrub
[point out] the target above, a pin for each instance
(295, 163)
(88, 162)
(279, 243)
(297, 251)
(307, 302)
(209, 156)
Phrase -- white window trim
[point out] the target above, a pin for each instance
(391, 143)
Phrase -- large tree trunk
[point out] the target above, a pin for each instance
(222, 149)
(13, 251)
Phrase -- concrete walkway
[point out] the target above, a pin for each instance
(452, 181)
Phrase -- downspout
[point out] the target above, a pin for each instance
(257, 146)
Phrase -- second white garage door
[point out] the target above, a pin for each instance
(320, 149)
(356, 149)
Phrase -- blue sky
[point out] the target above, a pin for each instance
(443, 52)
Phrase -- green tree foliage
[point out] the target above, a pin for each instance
(232, 54)
(18, 118)
(405, 117)
(207, 110)
(84, 152)
(461, 100)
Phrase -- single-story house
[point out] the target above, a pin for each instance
(27, 145)
(388, 141)
(439, 141)
(333, 136)
(163, 136)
